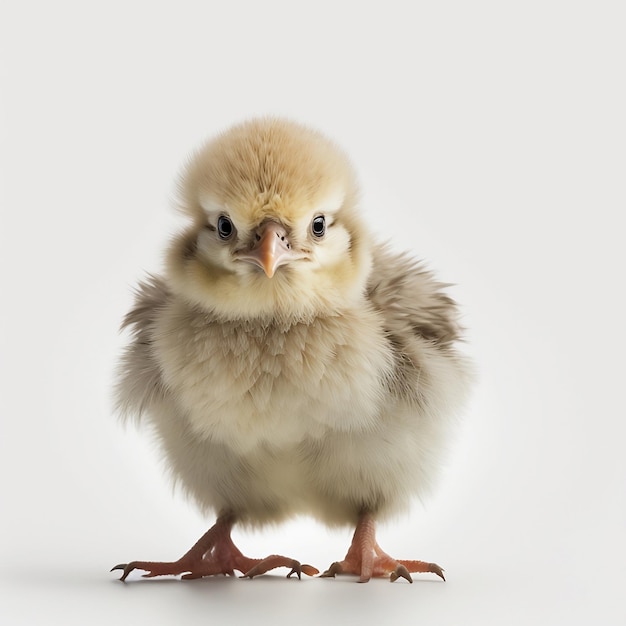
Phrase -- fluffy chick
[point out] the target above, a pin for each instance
(289, 364)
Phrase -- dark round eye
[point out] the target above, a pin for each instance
(225, 228)
(318, 226)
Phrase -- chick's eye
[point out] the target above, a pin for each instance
(318, 226)
(225, 228)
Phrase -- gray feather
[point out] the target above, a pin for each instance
(412, 302)
(140, 385)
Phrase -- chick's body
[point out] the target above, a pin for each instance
(288, 364)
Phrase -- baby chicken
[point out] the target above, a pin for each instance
(288, 363)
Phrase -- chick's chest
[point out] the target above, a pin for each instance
(248, 378)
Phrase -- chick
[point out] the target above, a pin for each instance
(288, 363)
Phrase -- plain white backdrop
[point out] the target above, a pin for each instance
(490, 139)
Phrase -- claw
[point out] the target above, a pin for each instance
(435, 569)
(124, 566)
(332, 571)
(400, 572)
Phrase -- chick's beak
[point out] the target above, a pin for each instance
(271, 249)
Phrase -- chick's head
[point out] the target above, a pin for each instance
(274, 232)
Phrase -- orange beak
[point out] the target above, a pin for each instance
(272, 249)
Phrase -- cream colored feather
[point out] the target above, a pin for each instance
(326, 389)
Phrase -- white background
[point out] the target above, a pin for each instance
(490, 140)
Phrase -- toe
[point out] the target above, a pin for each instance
(274, 561)
(309, 570)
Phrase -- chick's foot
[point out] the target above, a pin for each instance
(215, 553)
(365, 558)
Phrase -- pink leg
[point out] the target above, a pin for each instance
(365, 558)
(215, 553)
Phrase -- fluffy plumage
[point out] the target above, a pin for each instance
(287, 371)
